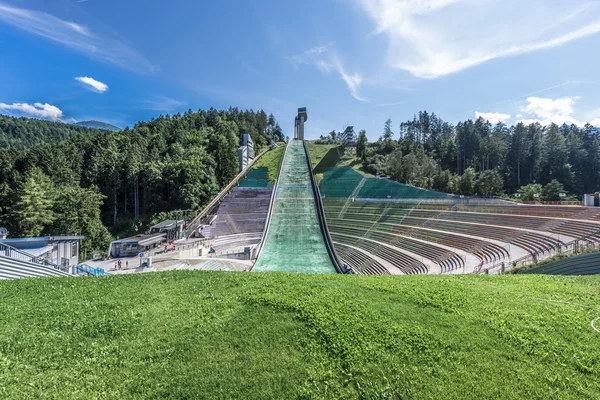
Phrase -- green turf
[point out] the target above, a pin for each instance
(257, 178)
(194, 335)
(271, 161)
(323, 156)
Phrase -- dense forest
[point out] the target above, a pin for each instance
(478, 158)
(101, 184)
(21, 133)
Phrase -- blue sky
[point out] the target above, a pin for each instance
(353, 62)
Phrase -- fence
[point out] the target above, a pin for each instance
(572, 247)
(11, 252)
(195, 224)
(555, 203)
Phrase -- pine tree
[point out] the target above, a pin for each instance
(361, 145)
(32, 210)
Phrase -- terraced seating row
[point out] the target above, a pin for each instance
(532, 242)
(583, 264)
(405, 263)
(244, 210)
(403, 215)
(446, 259)
(227, 242)
(485, 251)
(11, 268)
(553, 225)
(359, 261)
(574, 212)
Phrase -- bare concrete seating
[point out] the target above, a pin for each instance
(583, 264)
(243, 211)
(405, 263)
(360, 262)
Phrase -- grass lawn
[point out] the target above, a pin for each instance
(323, 156)
(357, 164)
(278, 336)
(271, 160)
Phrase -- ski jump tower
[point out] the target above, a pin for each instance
(299, 124)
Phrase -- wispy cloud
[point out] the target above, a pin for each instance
(353, 81)
(39, 110)
(327, 61)
(93, 84)
(536, 92)
(492, 117)
(77, 37)
(433, 38)
(309, 56)
(396, 103)
(163, 104)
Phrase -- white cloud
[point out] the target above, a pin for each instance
(309, 56)
(76, 36)
(519, 115)
(492, 117)
(163, 104)
(595, 122)
(94, 84)
(548, 111)
(39, 110)
(433, 38)
(353, 81)
(319, 57)
(547, 108)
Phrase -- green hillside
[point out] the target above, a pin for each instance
(257, 336)
(271, 161)
(98, 125)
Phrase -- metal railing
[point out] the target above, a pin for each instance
(196, 222)
(321, 213)
(20, 255)
(91, 271)
(571, 247)
(271, 204)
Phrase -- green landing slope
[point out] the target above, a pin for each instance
(294, 242)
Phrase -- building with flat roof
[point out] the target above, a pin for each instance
(299, 123)
(132, 246)
(172, 228)
(348, 137)
(58, 250)
(245, 152)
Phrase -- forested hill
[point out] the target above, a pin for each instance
(478, 158)
(98, 125)
(21, 133)
(122, 180)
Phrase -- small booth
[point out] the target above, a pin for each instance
(591, 200)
